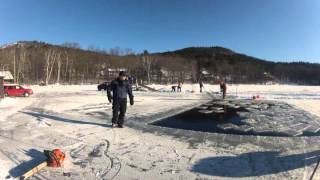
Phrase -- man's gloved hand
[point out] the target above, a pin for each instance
(110, 99)
(131, 101)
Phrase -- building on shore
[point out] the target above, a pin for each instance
(111, 73)
(7, 76)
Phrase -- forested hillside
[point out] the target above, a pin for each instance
(32, 62)
(246, 69)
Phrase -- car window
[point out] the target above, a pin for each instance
(18, 87)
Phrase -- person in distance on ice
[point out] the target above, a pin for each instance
(117, 93)
(223, 89)
(201, 85)
(179, 87)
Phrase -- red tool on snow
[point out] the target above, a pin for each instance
(54, 159)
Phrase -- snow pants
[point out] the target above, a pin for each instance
(120, 105)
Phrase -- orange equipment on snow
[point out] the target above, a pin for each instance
(54, 158)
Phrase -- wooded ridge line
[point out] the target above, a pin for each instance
(32, 62)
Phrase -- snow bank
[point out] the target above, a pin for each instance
(7, 101)
(9, 106)
(244, 91)
(60, 88)
(185, 87)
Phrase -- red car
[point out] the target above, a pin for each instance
(16, 90)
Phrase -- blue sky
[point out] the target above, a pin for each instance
(269, 29)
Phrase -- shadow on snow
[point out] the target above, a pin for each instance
(254, 164)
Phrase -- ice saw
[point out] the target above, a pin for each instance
(54, 159)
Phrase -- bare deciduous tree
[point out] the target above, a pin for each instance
(116, 51)
(51, 57)
(146, 64)
(74, 45)
(59, 64)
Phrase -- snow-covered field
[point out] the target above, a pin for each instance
(77, 120)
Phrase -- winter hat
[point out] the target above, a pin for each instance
(122, 73)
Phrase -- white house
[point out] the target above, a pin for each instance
(7, 76)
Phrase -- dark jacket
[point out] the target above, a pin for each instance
(223, 87)
(119, 89)
(201, 84)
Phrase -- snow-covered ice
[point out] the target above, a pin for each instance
(77, 120)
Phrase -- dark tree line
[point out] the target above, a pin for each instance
(240, 68)
(33, 62)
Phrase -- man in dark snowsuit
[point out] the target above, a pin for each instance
(117, 94)
(223, 89)
(179, 87)
(201, 85)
